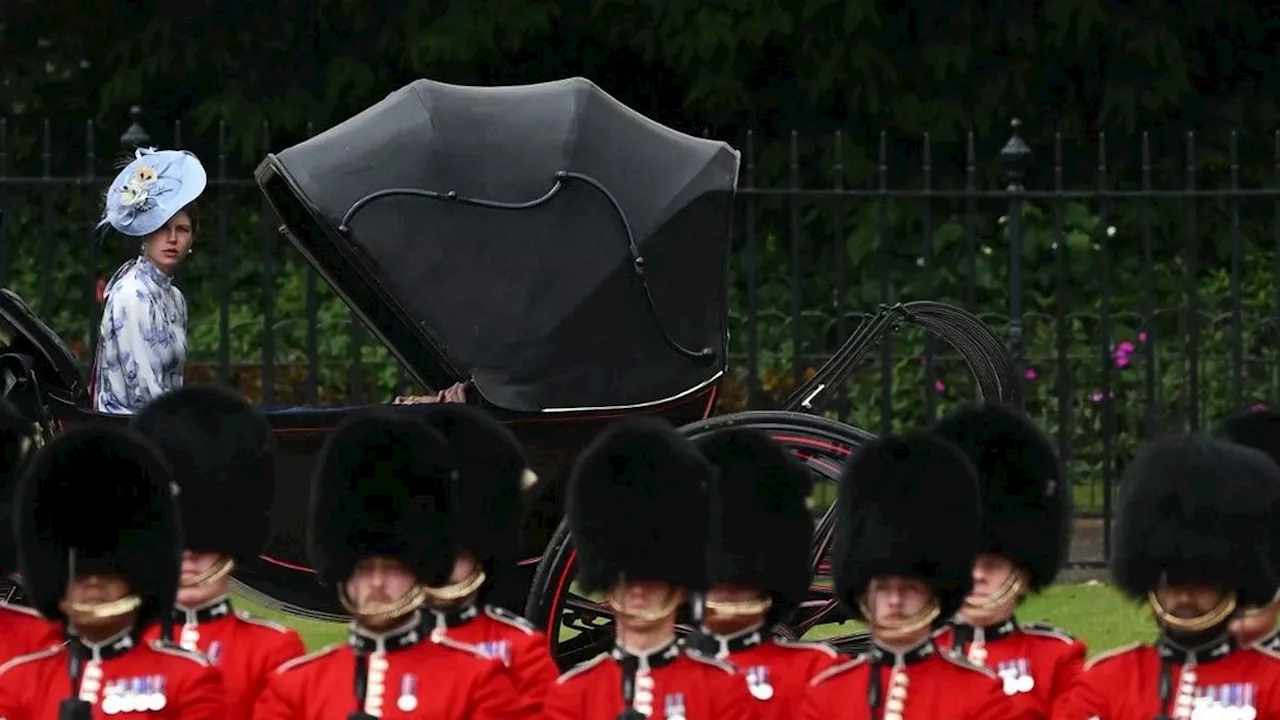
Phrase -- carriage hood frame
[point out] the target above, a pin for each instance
(555, 247)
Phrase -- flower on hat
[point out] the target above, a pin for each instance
(136, 192)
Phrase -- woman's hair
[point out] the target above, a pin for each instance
(192, 209)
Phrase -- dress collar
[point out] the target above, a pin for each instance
(405, 636)
(148, 269)
(921, 651)
(1206, 653)
(660, 657)
(215, 609)
(454, 617)
(112, 647)
(722, 646)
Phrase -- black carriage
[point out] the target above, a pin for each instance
(566, 255)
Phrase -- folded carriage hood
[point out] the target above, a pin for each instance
(523, 279)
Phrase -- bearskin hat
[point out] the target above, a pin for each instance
(1194, 510)
(1260, 431)
(383, 487)
(1026, 501)
(908, 506)
(491, 463)
(99, 499)
(220, 450)
(639, 507)
(17, 440)
(766, 527)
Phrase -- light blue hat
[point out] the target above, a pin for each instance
(152, 189)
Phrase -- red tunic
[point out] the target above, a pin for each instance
(243, 649)
(125, 678)
(672, 684)
(922, 684)
(1124, 684)
(776, 671)
(24, 631)
(510, 638)
(411, 674)
(1028, 657)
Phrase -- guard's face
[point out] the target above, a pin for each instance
(195, 564)
(96, 589)
(379, 581)
(1249, 629)
(895, 600)
(1188, 602)
(729, 624)
(990, 575)
(463, 568)
(167, 247)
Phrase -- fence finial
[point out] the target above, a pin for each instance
(1016, 156)
(136, 136)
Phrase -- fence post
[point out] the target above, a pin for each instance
(136, 136)
(1016, 157)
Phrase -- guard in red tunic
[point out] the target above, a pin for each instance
(1026, 534)
(1259, 430)
(99, 547)
(639, 509)
(907, 533)
(760, 570)
(220, 449)
(379, 532)
(491, 467)
(1191, 540)
(22, 629)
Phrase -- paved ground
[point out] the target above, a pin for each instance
(1086, 545)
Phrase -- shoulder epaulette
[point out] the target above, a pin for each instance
(581, 667)
(1117, 652)
(963, 662)
(1046, 630)
(31, 657)
(161, 646)
(801, 645)
(260, 622)
(442, 639)
(837, 670)
(713, 662)
(303, 660)
(23, 610)
(506, 617)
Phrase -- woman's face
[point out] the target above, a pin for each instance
(167, 247)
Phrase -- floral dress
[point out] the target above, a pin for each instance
(142, 346)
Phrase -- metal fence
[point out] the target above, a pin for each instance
(1132, 310)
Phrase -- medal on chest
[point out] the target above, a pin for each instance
(408, 700)
(1016, 676)
(758, 682)
(897, 703)
(376, 683)
(135, 694)
(673, 706)
(1230, 701)
(498, 650)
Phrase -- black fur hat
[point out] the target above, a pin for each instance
(17, 443)
(1260, 431)
(1026, 501)
(639, 506)
(383, 486)
(491, 463)
(107, 494)
(220, 450)
(1195, 510)
(908, 506)
(766, 527)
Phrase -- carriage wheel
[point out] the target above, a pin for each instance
(579, 628)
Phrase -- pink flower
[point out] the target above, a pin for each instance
(1122, 360)
(939, 386)
(1125, 347)
(1142, 337)
(1259, 407)
(1030, 373)
(1098, 396)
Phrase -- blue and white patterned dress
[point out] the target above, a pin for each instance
(142, 346)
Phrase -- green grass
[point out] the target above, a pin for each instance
(1095, 613)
